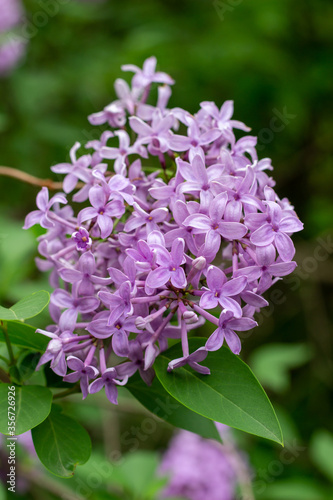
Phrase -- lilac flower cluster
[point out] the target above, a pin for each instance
(201, 469)
(11, 48)
(180, 225)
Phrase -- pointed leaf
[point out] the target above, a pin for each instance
(231, 394)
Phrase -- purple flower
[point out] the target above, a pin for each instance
(11, 14)
(119, 302)
(157, 135)
(109, 381)
(147, 75)
(143, 255)
(55, 351)
(225, 331)
(114, 114)
(142, 218)
(180, 213)
(82, 239)
(77, 170)
(214, 226)
(198, 177)
(168, 266)
(82, 372)
(102, 210)
(277, 230)
(266, 267)
(42, 216)
(119, 331)
(73, 305)
(220, 291)
(241, 197)
(84, 275)
(196, 137)
(202, 469)
(136, 362)
(120, 154)
(192, 360)
(222, 118)
(12, 50)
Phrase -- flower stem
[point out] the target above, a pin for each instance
(8, 343)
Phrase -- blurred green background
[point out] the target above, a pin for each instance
(274, 59)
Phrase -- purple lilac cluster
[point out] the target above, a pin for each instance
(11, 47)
(201, 469)
(157, 251)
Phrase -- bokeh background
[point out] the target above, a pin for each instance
(274, 59)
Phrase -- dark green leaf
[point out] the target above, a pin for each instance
(231, 394)
(27, 363)
(53, 380)
(25, 336)
(32, 406)
(61, 444)
(15, 375)
(157, 400)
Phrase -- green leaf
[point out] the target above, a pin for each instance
(157, 400)
(321, 451)
(54, 380)
(28, 307)
(32, 406)
(231, 394)
(272, 363)
(61, 444)
(7, 314)
(27, 363)
(25, 336)
(31, 305)
(15, 375)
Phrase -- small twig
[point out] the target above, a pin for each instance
(67, 392)
(30, 179)
(4, 377)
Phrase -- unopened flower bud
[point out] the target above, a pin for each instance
(190, 317)
(199, 263)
